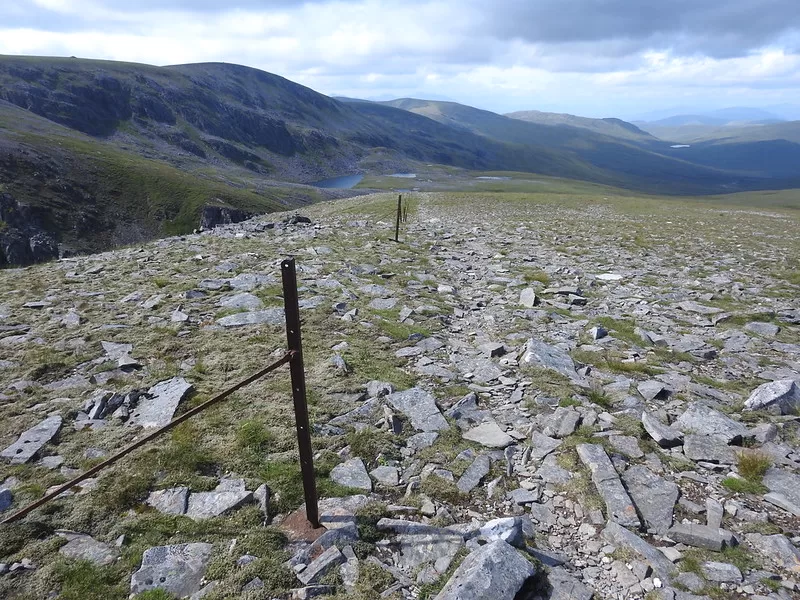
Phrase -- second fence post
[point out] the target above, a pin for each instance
(397, 225)
(297, 370)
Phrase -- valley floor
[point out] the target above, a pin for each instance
(578, 362)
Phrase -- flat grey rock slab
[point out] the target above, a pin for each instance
(244, 300)
(550, 472)
(475, 472)
(250, 281)
(352, 473)
(653, 496)
(527, 298)
(704, 420)
(694, 307)
(701, 536)
(420, 408)
(781, 397)
(763, 329)
(159, 406)
(720, 572)
(85, 547)
(653, 389)
(204, 505)
(542, 445)
(171, 501)
(177, 569)
(335, 513)
(375, 290)
(386, 476)
(495, 571)
(785, 483)
(508, 529)
(619, 505)
(427, 545)
(562, 423)
(564, 586)
(383, 303)
(420, 441)
(115, 351)
(321, 566)
(778, 549)
(270, 316)
(619, 536)
(709, 448)
(489, 434)
(663, 435)
(6, 499)
(31, 441)
(539, 354)
(627, 445)
(466, 412)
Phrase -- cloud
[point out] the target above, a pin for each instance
(587, 56)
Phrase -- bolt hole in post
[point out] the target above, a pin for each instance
(297, 371)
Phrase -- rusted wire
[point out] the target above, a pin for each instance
(139, 443)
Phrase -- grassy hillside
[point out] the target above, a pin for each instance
(610, 126)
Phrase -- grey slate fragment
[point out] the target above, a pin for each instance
(627, 445)
(6, 499)
(701, 536)
(204, 505)
(352, 473)
(542, 445)
(319, 567)
(475, 472)
(31, 441)
(721, 572)
(704, 420)
(84, 547)
(489, 434)
(466, 412)
(385, 475)
(508, 529)
(244, 300)
(495, 571)
(172, 501)
(618, 504)
(653, 496)
(539, 354)
(618, 535)
(663, 435)
(653, 389)
(709, 448)
(420, 407)
(566, 587)
(177, 569)
(562, 423)
(270, 316)
(784, 483)
(335, 513)
(158, 407)
(778, 549)
(782, 397)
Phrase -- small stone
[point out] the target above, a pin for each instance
(489, 434)
(721, 572)
(352, 473)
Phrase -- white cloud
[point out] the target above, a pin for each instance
(452, 48)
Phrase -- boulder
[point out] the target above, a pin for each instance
(618, 503)
(782, 397)
(653, 496)
(178, 569)
(495, 571)
(420, 408)
(31, 441)
(353, 474)
(704, 420)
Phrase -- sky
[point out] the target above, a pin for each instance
(596, 58)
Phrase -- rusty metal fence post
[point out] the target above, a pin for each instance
(397, 225)
(297, 371)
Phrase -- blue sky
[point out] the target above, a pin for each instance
(589, 57)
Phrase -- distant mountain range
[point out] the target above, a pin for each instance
(107, 152)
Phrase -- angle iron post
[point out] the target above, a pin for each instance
(399, 210)
(297, 371)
